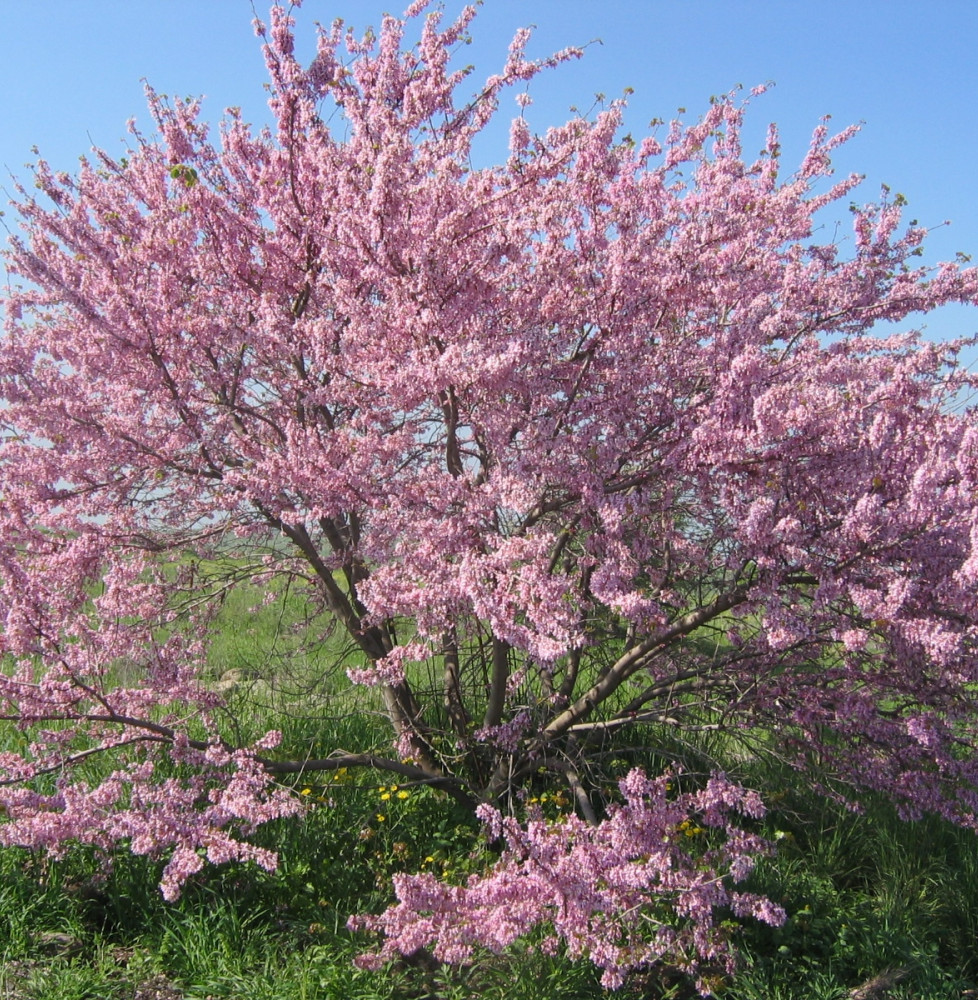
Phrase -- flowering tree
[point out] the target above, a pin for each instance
(599, 440)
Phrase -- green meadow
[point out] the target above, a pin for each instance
(877, 907)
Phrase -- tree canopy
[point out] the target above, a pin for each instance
(606, 440)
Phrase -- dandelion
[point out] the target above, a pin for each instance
(402, 794)
(381, 818)
(306, 791)
(385, 796)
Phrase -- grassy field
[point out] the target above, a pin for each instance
(874, 904)
(867, 895)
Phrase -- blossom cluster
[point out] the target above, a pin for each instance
(626, 893)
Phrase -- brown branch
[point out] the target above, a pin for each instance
(453, 701)
(80, 756)
(635, 659)
(449, 408)
(497, 685)
(453, 786)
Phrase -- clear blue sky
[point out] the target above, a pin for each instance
(71, 76)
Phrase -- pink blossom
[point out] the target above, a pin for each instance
(608, 436)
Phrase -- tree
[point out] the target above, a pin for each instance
(597, 443)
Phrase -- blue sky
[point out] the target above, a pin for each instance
(72, 69)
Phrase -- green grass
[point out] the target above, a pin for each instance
(866, 894)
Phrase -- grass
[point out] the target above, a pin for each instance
(867, 895)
